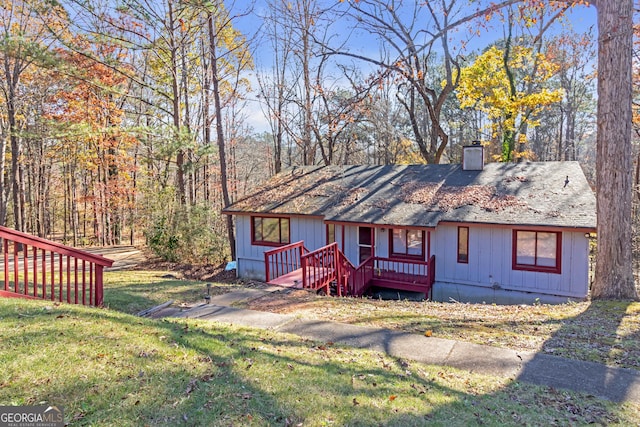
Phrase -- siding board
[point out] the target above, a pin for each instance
(490, 262)
(490, 256)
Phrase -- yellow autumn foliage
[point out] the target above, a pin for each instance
(485, 85)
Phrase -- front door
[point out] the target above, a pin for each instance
(365, 243)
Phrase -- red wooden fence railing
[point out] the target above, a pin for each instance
(328, 265)
(361, 277)
(321, 267)
(50, 270)
(394, 270)
(394, 273)
(283, 260)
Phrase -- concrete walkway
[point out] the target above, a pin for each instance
(615, 384)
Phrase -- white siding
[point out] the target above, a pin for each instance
(490, 256)
(351, 244)
(490, 262)
(250, 258)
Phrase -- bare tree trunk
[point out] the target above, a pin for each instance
(614, 273)
(560, 134)
(190, 185)
(219, 131)
(15, 170)
(134, 202)
(175, 93)
(308, 152)
(4, 199)
(570, 150)
(66, 204)
(637, 183)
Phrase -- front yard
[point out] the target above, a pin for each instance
(107, 367)
(606, 332)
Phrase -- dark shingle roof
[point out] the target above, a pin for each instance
(424, 195)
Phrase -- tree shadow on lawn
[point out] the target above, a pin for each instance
(134, 298)
(222, 375)
(595, 334)
(607, 332)
(320, 379)
(216, 375)
(600, 325)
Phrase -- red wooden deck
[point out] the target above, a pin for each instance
(293, 279)
(293, 266)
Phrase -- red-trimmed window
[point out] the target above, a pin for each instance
(537, 251)
(268, 231)
(406, 243)
(463, 245)
(331, 233)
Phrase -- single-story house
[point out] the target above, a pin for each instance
(497, 232)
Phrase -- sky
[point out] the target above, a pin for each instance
(476, 38)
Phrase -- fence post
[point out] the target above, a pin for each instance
(99, 291)
(266, 267)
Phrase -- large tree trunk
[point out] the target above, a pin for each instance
(219, 133)
(15, 169)
(175, 92)
(614, 274)
(308, 147)
(4, 191)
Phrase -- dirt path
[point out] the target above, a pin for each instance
(124, 257)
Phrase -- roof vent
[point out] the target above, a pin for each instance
(473, 157)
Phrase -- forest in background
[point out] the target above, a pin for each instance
(136, 121)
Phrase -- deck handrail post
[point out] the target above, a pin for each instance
(266, 266)
(300, 253)
(6, 263)
(303, 264)
(99, 298)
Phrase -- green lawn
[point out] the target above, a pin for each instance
(110, 368)
(134, 291)
(605, 332)
(107, 367)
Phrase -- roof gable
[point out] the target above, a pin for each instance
(424, 195)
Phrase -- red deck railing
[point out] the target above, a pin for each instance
(322, 267)
(327, 266)
(360, 278)
(393, 273)
(283, 260)
(50, 270)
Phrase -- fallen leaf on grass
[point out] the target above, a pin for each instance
(147, 354)
(392, 397)
(191, 386)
